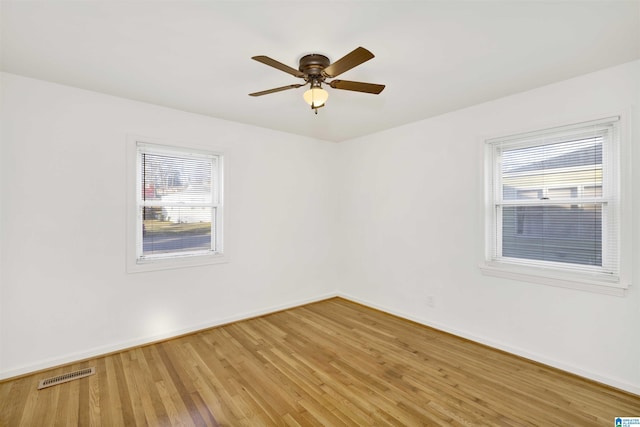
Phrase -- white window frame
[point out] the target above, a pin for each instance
(615, 199)
(135, 261)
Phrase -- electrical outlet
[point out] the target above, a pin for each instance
(431, 301)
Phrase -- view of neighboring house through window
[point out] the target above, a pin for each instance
(555, 198)
(179, 202)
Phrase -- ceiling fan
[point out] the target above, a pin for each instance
(315, 69)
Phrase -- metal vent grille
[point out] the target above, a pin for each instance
(48, 382)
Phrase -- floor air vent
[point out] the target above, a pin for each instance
(48, 382)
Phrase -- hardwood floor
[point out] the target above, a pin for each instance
(331, 363)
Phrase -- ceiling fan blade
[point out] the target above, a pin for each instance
(347, 62)
(277, 89)
(279, 65)
(357, 86)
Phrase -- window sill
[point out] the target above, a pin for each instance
(582, 282)
(134, 266)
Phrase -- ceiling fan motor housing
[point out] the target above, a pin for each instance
(313, 64)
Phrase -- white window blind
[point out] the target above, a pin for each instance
(555, 198)
(178, 202)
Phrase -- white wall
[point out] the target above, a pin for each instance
(65, 292)
(412, 227)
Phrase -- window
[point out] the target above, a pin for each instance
(554, 201)
(178, 203)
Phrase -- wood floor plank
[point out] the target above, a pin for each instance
(177, 395)
(13, 397)
(332, 363)
(154, 410)
(141, 399)
(110, 402)
(30, 405)
(67, 409)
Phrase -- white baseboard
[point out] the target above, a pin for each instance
(631, 388)
(103, 350)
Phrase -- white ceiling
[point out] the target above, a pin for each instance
(434, 56)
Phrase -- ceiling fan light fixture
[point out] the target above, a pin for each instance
(316, 97)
